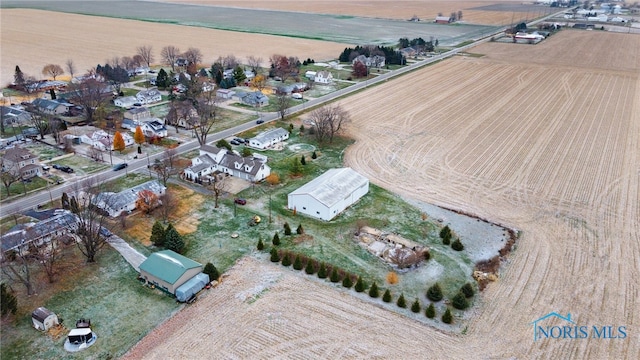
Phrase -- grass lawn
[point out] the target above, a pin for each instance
(19, 188)
(82, 165)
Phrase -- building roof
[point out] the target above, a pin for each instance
(128, 196)
(41, 314)
(50, 105)
(270, 135)
(137, 111)
(332, 186)
(34, 231)
(17, 154)
(168, 265)
(14, 114)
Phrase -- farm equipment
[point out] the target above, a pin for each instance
(255, 220)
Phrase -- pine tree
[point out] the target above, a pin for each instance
(457, 245)
(173, 240)
(286, 259)
(431, 311)
(303, 161)
(65, 201)
(347, 282)
(301, 129)
(310, 269)
(290, 128)
(260, 244)
(287, 229)
(360, 285)
(335, 276)
(18, 78)
(467, 290)
(118, 142)
(401, 302)
(386, 297)
(157, 234)
(459, 301)
(297, 263)
(73, 205)
(322, 272)
(276, 239)
(300, 230)
(447, 318)
(314, 155)
(8, 301)
(211, 270)
(445, 235)
(373, 291)
(274, 255)
(434, 293)
(415, 307)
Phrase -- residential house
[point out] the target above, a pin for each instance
(292, 88)
(442, 20)
(324, 77)
(149, 96)
(14, 116)
(62, 224)
(268, 138)
(183, 114)
(225, 93)
(255, 98)
(213, 159)
(103, 141)
(125, 201)
(51, 106)
(137, 113)
(311, 75)
(409, 52)
(329, 194)
(125, 101)
(129, 124)
(181, 62)
(153, 128)
(21, 161)
(376, 61)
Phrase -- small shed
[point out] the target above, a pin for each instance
(43, 319)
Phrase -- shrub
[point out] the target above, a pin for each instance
(347, 282)
(211, 270)
(286, 259)
(467, 290)
(297, 263)
(287, 229)
(274, 255)
(459, 301)
(300, 230)
(322, 272)
(303, 161)
(447, 318)
(457, 245)
(360, 285)
(335, 277)
(314, 155)
(310, 269)
(373, 291)
(434, 293)
(426, 254)
(445, 235)
(386, 297)
(392, 277)
(260, 245)
(401, 302)
(431, 311)
(301, 129)
(276, 239)
(415, 307)
(273, 179)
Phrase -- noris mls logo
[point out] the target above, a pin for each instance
(569, 329)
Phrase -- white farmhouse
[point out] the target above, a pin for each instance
(149, 96)
(125, 101)
(329, 194)
(268, 138)
(213, 159)
(323, 77)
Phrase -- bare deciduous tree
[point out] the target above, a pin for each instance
(218, 185)
(52, 70)
(254, 63)
(283, 101)
(329, 121)
(17, 268)
(230, 62)
(169, 202)
(127, 62)
(146, 52)
(40, 121)
(90, 95)
(47, 256)
(138, 60)
(169, 55)
(193, 56)
(207, 109)
(10, 173)
(71, 67)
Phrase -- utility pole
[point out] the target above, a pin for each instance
(269, 208)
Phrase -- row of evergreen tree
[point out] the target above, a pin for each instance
(391, 55)
(168, 237)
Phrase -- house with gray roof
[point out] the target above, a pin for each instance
(21, 161)
(137, 113)
(153, 127)
(63, 223)
(125, 101)
(329, 194)
(149, 96)
(213, 159)
(269, 138)
(13, 116)
(116, 203)
(51, 106)
(255, 98)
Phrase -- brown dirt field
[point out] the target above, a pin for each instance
(90, 40)
(546, 144)
(425, 9)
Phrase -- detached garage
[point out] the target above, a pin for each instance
(329, 194)
(168, 270)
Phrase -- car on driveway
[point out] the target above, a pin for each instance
(119, 167)
(105, 232)
(240, 201)
(64, 168)
(234, 142)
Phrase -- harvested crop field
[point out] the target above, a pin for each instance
(473, 11)
(90, 40)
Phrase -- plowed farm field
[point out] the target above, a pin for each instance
(540, 138)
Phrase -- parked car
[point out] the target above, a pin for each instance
(240, 201)
(233, 142)
(240, 140)
(259, 121)
(119, 167)
(105, 232)
(64, 168)
(46, 167)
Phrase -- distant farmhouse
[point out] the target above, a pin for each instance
(269, 138)
(213, 159)
(329, 194)
(124, 201)
(376, 61)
